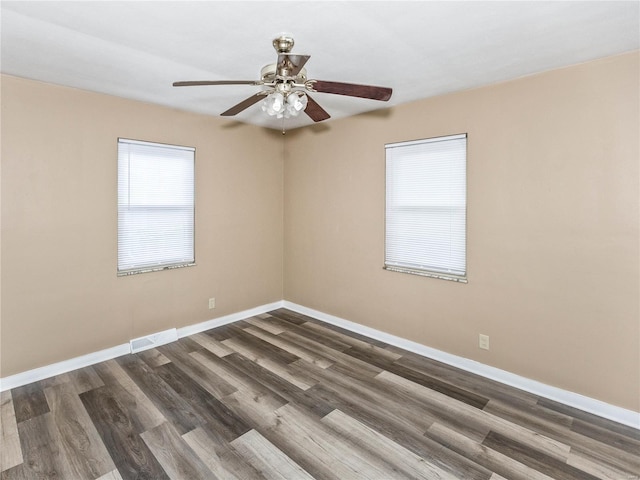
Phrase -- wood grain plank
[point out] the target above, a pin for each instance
(474, 383)
(378, 343)
(173, 407)
(188, 344)
(267, 459)
(287, 315)
(248, 385)
(84, 379)
(606, 454)
(29, 402)
(53, 381)
(603, 444)
(403, 432)
(354, 368)
(208, 379)
(416, 409)
(492, 460)
(16, 472)
(600, 469)
(336, 356)
(354, 342)
(129, 452)
(220, 457)
(211, 344)
(386, 403)
(153, 357)
(86, 455)
(430, 382)
(404, 462)
(262, 321)
(41, 450)
(226, 331)
(214, 413)
(531, 416)
(478, 419)
(535, 459)
(175, 456)
(143, 413)
(315, 337)
(611, 438)
(11, 452)
(605, 423)
(251, 409)
(113, 475)
(495, 476)
(262, 358)
(276, 383)
(265, 348)
(320, 450)
(301, 352)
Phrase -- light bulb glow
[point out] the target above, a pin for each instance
(278, 105)
(274, 104)
(296, 102)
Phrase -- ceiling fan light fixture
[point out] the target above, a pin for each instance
(281, 105)
(274, 104)
(285, 85)
(296, 103)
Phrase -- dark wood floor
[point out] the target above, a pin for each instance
(283, 396)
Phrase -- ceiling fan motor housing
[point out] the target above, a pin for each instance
(269, 72)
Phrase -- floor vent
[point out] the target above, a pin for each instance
(153, 340)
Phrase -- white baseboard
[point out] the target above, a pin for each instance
(587, 404)
(581, 402)
(19, 379)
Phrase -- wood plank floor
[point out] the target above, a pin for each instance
(284, 396)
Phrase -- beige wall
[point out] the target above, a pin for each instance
(553, 243)
(61, 297)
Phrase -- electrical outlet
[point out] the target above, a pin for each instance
(212, 303)
(483, 342)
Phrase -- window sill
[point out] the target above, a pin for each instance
(126, 273)
(423, 273)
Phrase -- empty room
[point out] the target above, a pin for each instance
(320, 240)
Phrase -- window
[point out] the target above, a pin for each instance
(426, 207)
(155, 206)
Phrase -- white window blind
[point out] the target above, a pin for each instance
(426, 207)
(155, 206)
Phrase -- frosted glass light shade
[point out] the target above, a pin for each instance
(296, 103)
(276, 104)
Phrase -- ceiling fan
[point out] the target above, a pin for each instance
(286, 87)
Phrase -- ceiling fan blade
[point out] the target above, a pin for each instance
(315, 111)
(352, 90)
(215, 82)
(244, 104)
(292, 63)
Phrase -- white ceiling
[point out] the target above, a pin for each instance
(420, 49)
